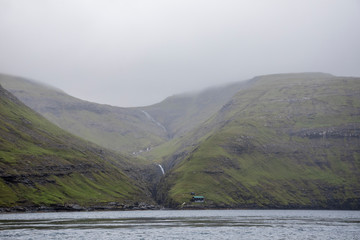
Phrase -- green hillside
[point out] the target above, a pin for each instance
(285, 141)
(121, 129)
(43, 166)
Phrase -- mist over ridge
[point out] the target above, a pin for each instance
(136, 53)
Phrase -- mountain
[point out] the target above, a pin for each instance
(284, 141)
(275, 141)
(121, 129)
(42, 166)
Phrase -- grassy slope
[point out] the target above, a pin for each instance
(120, 129)
(40, 164)
(286, 141)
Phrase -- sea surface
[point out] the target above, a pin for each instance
(183, 224)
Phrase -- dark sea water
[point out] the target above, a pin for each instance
(186, 224)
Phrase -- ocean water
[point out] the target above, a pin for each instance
(183, 224)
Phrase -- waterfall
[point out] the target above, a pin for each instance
(162, 169)
(148, 116)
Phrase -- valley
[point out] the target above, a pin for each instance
(275, 141)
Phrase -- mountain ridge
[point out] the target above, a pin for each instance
(131, 130)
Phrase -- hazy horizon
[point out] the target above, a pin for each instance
(135, 53)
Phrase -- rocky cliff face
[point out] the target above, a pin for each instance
(347, 131)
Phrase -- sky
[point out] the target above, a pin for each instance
(138, 52)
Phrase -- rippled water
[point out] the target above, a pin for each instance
(187, 224)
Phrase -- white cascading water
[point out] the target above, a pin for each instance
(162, 169)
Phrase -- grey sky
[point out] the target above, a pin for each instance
(137, 52)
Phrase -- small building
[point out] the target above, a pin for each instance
(197, 199)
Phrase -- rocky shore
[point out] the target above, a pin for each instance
(112, 206)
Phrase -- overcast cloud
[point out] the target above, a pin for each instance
(137, 52)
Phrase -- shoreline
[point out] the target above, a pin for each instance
(77, 208)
